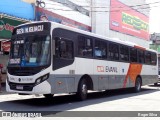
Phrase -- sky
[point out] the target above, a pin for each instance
(154, 23)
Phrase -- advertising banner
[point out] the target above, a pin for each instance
(6, 27)
(127, 20)
(5, 46)
(45, 15)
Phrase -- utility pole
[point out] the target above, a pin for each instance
(93, 15)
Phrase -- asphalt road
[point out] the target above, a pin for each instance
(113, 103)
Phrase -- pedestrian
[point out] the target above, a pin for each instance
(0, 82)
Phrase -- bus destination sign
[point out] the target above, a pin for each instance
(30, 29)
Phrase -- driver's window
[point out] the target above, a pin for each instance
(64, 48)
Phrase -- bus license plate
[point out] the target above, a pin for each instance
(19, 87)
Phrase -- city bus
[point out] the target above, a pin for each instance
(48, 58)
(158, 70)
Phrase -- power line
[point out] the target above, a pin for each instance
(120, 8)
(108, 6)
(98, 6)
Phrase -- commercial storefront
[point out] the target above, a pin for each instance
(7, 24)
(11, 14)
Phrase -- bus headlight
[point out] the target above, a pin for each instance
(38, 81)
(42, 78)
(7, 79)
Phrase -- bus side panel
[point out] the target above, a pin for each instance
(84, 66)
(63, 79)
(149, 74)
(110, 74)
(62, 84)
(102, 82)
(149, 79)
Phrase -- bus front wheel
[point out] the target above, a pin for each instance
(155, 84)
(138, 85)
(82, 90)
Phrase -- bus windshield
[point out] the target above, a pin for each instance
(30, 51)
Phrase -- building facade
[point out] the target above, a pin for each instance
(67, 12)
(122, 19)
(12, 13)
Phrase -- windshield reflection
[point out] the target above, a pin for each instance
(30, 51)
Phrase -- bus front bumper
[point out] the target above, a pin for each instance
(42, 88)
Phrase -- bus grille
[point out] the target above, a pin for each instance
(26, 87)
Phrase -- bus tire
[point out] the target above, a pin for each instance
(48, 96)
(82, 90)
(155, 84)
(138, 85)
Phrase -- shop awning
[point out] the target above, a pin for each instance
(7, 24)
(17, 8)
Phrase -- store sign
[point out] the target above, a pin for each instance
(135, 22)
(6, 27)
(128, 21)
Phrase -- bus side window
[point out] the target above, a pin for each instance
(113, 51)
(64, 49)
(153, 58)
(100, 49)
(140, 56)
(124, 53)
(147, 57)
(133, 55)
(85, 47)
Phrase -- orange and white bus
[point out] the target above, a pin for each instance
(49, 58)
